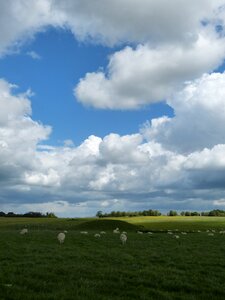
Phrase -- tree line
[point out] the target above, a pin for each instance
(151, 212)
(30, 214)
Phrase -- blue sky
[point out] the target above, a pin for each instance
(63, 61)
(116, 107)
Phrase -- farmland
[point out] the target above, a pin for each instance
(157, 266)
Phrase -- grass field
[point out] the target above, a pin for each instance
(157, 266)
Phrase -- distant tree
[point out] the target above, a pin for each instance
(11, 214)
(50, 215)
(2, 214)
(195, 213)
(182, 213)
(172, 213)
(99, 214)
(33, 214)
(217, 213)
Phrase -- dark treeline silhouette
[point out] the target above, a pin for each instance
(151, 212)
(30, 214)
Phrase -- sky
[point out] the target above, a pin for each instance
(114, 105)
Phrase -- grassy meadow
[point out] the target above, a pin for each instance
(157, 266)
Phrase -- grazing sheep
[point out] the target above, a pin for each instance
(97, 235)
(102, 232)
(139, 232)
(61, 237)
(149, 232)
(65, 231)
(169, 232)
(210, 234)
(124, 232)
(123, 238)
(83, 232)
(198, 230)
(116, 230)
(184, 233)
(24, 231)
(176, 236)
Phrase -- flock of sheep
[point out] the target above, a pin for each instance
(123, 236)
(62, 235)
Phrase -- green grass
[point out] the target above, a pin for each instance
(155, 266)
(181, 223)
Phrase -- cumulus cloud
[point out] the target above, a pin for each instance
(199, 117)
(108, 23)
(141, 76)
(114, 172)
(132, 21)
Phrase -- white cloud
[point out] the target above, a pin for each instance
(34, 55)
(199, 117)
(89, 177)
(131, 21)
(146, 75)
(108, 22)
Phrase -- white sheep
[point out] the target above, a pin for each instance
(83, 232)
(61, 237)
(116, 230)
(184, 233)
(176, 236)
(124, 232)
(149, 232)
(123, 238)
(139, 232)
(24, 231)
(102, 232)
(210, 234)
(97, 235)
(65, 231)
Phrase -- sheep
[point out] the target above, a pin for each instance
(65, 231)
(24, 231)
(61, 237)
(210, 234)
(176, 236)
(184, 233)
(169, 232)
(97, 235)
(124, 232)
(139, 232)
(83, 232)
(123, 238)
(116, 230)
(102, 232)
(149, 232)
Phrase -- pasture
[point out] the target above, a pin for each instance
(156, 266)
